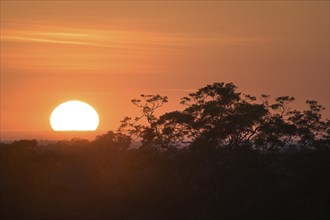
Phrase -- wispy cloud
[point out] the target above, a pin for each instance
(71, 38)
(43, 40)
(122, 39)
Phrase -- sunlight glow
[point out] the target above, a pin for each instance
(74, 116)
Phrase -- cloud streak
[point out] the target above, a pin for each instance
(123, 39)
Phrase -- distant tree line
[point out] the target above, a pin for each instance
(226, 155)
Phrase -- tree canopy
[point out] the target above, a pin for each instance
(219, 116)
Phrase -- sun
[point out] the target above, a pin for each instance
(74, 116)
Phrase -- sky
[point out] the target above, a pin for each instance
(106, 53)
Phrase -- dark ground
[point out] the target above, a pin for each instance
(77, 181)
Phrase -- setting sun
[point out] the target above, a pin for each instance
(74, 116)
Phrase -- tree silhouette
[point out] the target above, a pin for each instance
(216, 116)
(112, 139)
(149, 132)
(220, 117)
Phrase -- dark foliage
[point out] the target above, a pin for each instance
(241, 159)
(218, 116)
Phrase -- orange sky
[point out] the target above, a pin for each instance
(106, 53)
